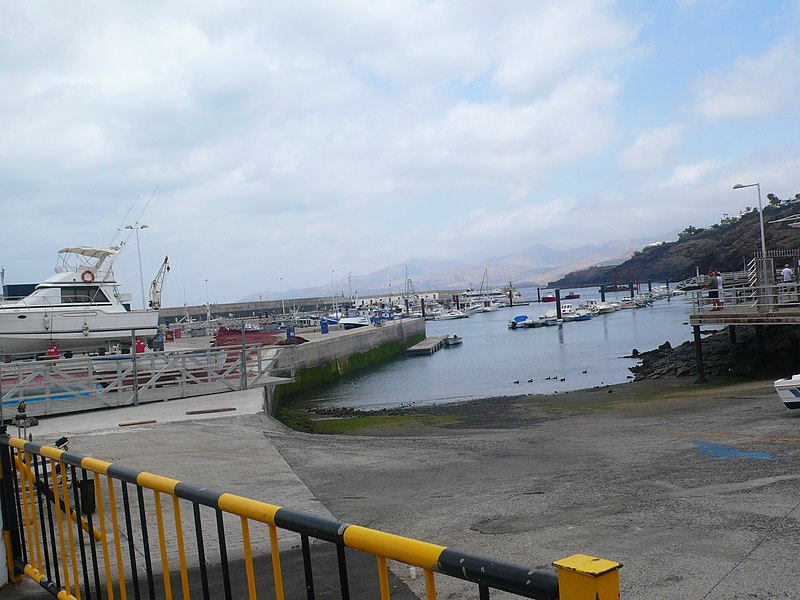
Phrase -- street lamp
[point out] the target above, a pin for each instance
(332, 305)
(739, 186)
(136, 228)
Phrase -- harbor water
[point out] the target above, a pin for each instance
(497, 361)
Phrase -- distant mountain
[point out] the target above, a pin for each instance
(726, 246)
(532, 266)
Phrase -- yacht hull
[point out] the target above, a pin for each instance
(32, 331)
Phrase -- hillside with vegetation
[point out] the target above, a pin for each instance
(724, 246)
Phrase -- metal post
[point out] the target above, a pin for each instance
(422, 306)
(8, 499)
(135, 369)
(630, 287)
(759, 341)
(602, 292)
(558, 304)
(538, 295)
(698, 353)
(243, 366)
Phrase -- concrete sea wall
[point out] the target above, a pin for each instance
(325, 360)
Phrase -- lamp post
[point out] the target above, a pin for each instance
(136, 227)
(739, 186)
(283, 308)
(332, 305)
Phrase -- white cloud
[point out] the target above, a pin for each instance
(686, 175)
(288, 139)
(650, 147)
(752, 86)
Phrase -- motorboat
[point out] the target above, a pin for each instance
(598, 308)
(354, 319)
(79, 308)
(517, 322)
(578, 314)
(789, 391)
(549, 297)
(453, 340)
(450, 315)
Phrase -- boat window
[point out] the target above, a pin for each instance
(89, 294)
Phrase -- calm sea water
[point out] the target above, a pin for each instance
(493, 357)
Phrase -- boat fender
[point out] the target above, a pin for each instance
(87, 277)
(85, 329)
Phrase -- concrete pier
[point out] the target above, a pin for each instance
(427, 346)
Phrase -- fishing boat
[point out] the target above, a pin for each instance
(79, 308)
(549, 297)
(789, 391)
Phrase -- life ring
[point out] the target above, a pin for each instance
(87, 277)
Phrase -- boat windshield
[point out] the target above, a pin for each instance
(89, 294)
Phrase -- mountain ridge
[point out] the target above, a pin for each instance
(531, 266)
(724, 246)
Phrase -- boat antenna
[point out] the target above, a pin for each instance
(127, 214)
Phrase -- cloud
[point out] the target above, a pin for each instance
(686, 175)
(650, 147)
(289, 139)
(758, 86)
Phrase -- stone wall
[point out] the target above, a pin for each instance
(323, 361)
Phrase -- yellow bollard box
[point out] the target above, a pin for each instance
(583, 577)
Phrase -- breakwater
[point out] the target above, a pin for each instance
(329, 357)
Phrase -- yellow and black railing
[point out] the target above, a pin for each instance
(86, 528)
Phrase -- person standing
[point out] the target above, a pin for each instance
(720, 291)
(786, 293)
(713, 292)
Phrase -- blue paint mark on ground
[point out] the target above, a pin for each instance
(720, 452)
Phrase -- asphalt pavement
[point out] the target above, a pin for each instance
(697, 494)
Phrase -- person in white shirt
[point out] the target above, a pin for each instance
(786, 274)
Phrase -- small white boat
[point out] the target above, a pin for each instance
(450, 315)
(789, 391)
(452, 340)
(598, 308)
(354, 322)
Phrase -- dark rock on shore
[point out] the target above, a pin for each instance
(780, 356)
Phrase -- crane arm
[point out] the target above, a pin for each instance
(158, 283)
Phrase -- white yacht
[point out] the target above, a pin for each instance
(79, 308)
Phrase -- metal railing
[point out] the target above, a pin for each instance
(763, 298)
(81, 383)
(72, 525)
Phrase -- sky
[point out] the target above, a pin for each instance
(279, 145)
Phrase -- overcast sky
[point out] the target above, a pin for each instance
(289, 139)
